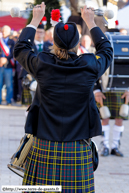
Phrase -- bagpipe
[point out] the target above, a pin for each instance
(18, 160)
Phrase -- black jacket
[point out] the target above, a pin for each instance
(97, 85)
(23, 72)
(64, 107)
(46, 46)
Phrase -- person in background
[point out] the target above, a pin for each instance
(79, 30)
(38, 44)
(113, 100)
(49, 42)
(6, 65)
(123, 31)
(39, 39)
(85, 45)
(46, 36)
(15, 36)
(17, 85)
(63, 112)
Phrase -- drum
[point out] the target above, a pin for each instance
(17, 163)
(116, 77)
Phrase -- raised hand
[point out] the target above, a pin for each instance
(38, 13)
(87, 15)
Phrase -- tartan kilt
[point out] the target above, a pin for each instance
(114, 101)
(26, 97)
(68, 164)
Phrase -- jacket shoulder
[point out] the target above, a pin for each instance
(89, 60)
(46, 54)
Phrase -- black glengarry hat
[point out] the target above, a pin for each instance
(40, 26)
(66, 36)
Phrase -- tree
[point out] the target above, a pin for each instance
(50, 4)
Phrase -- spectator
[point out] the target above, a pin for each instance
(46, 36)
(85, 45)
(123, 31)
(49, 42)
(17, 86)
(37, 47)
(15, 36)
(39, 37)
(6, 71)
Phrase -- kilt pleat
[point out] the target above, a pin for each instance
(114, 101)
(68, 164)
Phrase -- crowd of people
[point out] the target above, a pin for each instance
(13, 78)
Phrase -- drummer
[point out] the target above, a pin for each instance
(113, 100)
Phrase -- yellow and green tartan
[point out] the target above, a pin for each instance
(68, 164)
(26, 97)
(114, 101)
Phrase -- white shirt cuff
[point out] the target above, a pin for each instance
(29, 25)
(97, 90)
(93, 27)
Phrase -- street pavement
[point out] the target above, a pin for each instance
(112, 175)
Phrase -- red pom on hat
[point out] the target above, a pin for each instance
(66, 27)
(116, 22)
(43, 21)
(55, 15)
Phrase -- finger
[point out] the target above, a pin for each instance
(85, 8)
(81, 11)
(90, 8)
(103, 96)
(37, 6)
(97, 99)
(123, 96)
(126, 100)
(43, 6)
(101, 102)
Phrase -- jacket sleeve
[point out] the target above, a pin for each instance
(104, 51)
(24, 53)
(97, 85)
